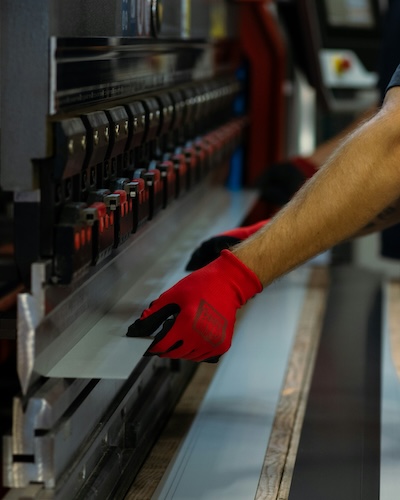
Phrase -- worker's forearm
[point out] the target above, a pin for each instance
(360, 180)
(387, 218)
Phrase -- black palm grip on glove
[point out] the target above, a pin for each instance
(164, 318)
(209, 250)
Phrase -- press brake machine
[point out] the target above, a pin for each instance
(121, 121)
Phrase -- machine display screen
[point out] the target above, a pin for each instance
(350, 13)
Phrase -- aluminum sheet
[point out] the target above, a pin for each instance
(223, 453)
(105, 352)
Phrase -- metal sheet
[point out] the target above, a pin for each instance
(105, 352)
(223, 453)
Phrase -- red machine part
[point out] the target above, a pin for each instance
(124, 217)
(73, 250)
(153, 181)
(102, 221)
(262, 46)
(192, 166)
(139, 195)
(168, 179)
(181, 173)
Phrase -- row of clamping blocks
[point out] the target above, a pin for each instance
(88, 231)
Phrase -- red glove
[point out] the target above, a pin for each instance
(197, 315)
(210, 249)
(281, 181)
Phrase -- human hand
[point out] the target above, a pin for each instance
(197, 315)
(210, 249)
(281, 181)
